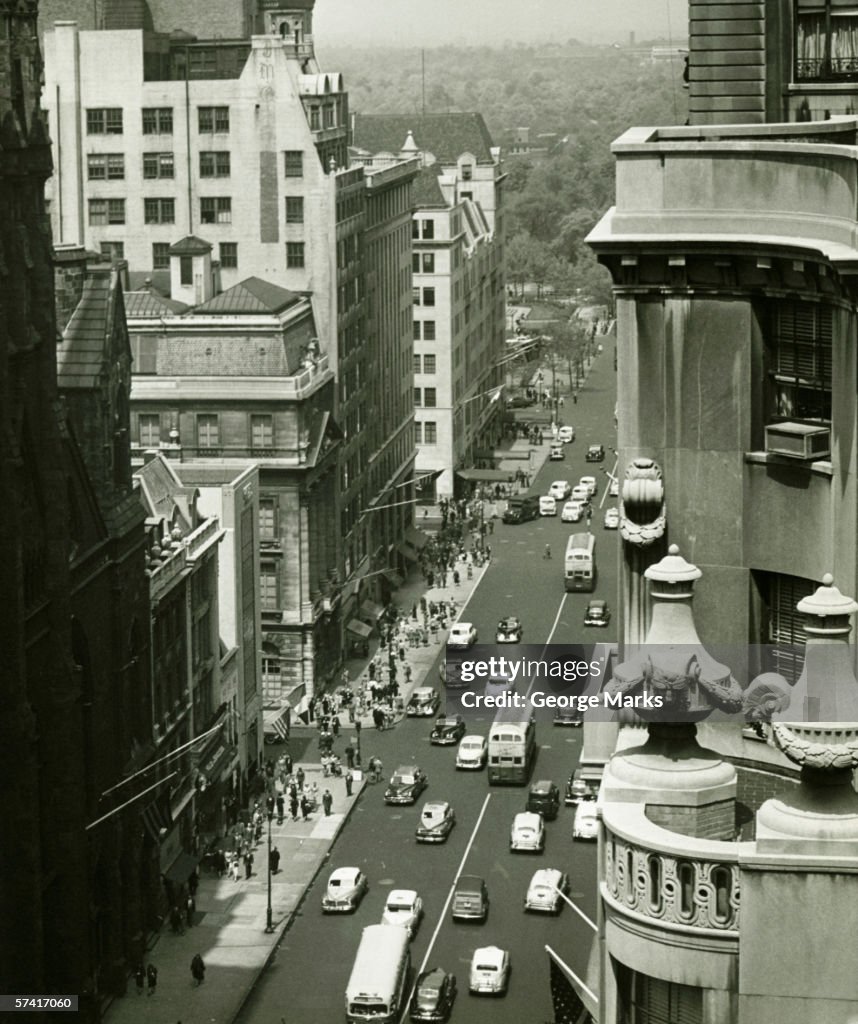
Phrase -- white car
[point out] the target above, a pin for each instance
(527, 832)
(573, 511)
(462, 635)
(405, 908)
(586, 824)
(544, 891)
(612, 519)
(346, 888)
(560, 490)
(581, 492)
(547, 506)
(590, 483)
(473, 753)
(556, 453)
(614, 489)
(424, 702)
(489, 971)
(566, 434)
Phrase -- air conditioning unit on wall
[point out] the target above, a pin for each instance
(798, 440)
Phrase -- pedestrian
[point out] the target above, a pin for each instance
(248, 864)
(350, 755)
(280, 802)
(327, 802)
(287, 763)
(274, 860)
(358, 728)
(299, 778)
(190, 910)
(236, 868)
(348, 778)
(221, 864)
(293, 805)
(547, 552)
(335, 725)
(305, 808)
(152, 978)
(455, 577)
(140, 978)
(198, 970)
(193, 882)
(176, 921)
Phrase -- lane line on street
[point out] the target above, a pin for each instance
(550, 635)
(444, 909)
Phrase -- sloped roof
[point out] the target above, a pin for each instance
(150, 303)
(163, 494)
(426, 190)
(190, 245)
(447, 136)
(249, 296)
(81, 354)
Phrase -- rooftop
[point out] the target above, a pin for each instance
(445, 136)
(252, 295)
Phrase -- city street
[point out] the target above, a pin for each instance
(306, 978)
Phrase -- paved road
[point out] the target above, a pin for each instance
(306, 979)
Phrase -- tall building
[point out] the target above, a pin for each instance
(458, 283)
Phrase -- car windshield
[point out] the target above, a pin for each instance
(427, 994)
(402, 780)
(472, 745)
(335, 883)
(487, 967)
(399, 908)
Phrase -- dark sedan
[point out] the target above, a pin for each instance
(447, 731)
(509, 631)
(595, 453)
(406, 785)
(434, 995)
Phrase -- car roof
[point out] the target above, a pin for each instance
(474, 737)
(541, 786)
(402, 895)
(597, 602)
(434, 976)
(435, 805)
(593, 446)
(422, 691)
(462, 625)
(561, 482)
(490, 953)
(406, 769)
(588, 479)
(546, 876)
(470, 883)
(342, 873)
(586, 809)
(527, 818)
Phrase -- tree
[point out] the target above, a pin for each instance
(520, 254)
(593, 280)
(567, 343)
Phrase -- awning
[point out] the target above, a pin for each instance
(274, 721)
(416, 538)
(358, 628)
(182, 868)
(393, 578)
(213, 766)
(495, 476)
(407, 551)
(156, 816)
(371, 610)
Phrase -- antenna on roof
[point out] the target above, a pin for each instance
(423, 78)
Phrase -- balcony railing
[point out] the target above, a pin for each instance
(825, 69)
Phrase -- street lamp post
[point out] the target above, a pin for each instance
(269, 922)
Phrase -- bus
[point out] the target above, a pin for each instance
(376, 991)
(511, 748)
(579, 568)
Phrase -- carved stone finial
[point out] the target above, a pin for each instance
(643, 513)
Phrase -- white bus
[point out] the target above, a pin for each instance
(511, 748)
(580, 562)
(376, 990)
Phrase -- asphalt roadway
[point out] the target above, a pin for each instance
(305, 980)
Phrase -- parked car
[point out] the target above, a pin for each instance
(521, 509)
(489, 971)
(612, 519)
(556, 453)
(470, 899)
(406, 784)
(544, 798)
(573, 511)
(346, 888)
(547, 506)
(595, 453)
(472, 753)
(527, 833)
(436, 822)
(578, 788)
(424, 702)
(598, 613)
(509, 630)
(591, 484)
(560, 490)
(462, 635)
(447, 731)
(614, 489)
(544, 891)
(566, 434)
(519, 402)
(568, 716)
(405, 908)
(434, 995)
(586, 824)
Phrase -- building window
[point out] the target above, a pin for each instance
(293, 162)
(295, 255)
(294, 209)
(105, 166)
(159, 211)
(430, 398)
(428, 228)
(213, 119)
(315, 121)
(268, 595)
(157, 120)
(428, 262)
(415, 296)
(104, 121)
(208, 431)
(415, 263)
(214, 164)
(826, 32)
(229, 255)
(430, 432)
(267, 519)
(417, 361)
(157, 165)
(428, 296)
(329, 115)
(646, 1000)
(186, 270)
(160, 255)
(106, 211)
(415, 229)
(216, 210)
(418, 397)
(785, 633)
(428, 330)
(467, 172)
(416, 330)
(113, 250)
(799, 358)
(149, 430)
(429, 363)
(261, 433)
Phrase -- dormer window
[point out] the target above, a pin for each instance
(826, 40)
(467, 172)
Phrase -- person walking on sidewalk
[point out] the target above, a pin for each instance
(275, 860)
(305, 808)
(348, 778)
(280, 807)
(140, 978)
(190, 910)
(327, 802)
(350, 756)
(293, 805)
(236, 868)
(248, 864)
(198, 970)
(152, 978)
(299, 777)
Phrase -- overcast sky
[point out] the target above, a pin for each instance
(491, 22)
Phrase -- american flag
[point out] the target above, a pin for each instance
(568, 1005)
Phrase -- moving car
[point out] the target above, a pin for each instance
(612, 519)
(598, 613)
(462, 635)
(542, 893)
(424, 702)
(470, 899)
(405, 908)
(573, 511)
(436, 822)
(544, 798)
(560, 490)
(447, 731)
(472, 753)
(578, 788)
(489, 971)
(509, 630)
(614, 489)
(346, 888)
(450, 674)
(434, 995)
(556, 453)
(595, 453)
(590, 483)
(406, 784)
(566, 435)
(519, 402)
(527, 833)
(581, 493)
(521, 509)
(568, 716)
(586, 822)
(547, 506)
